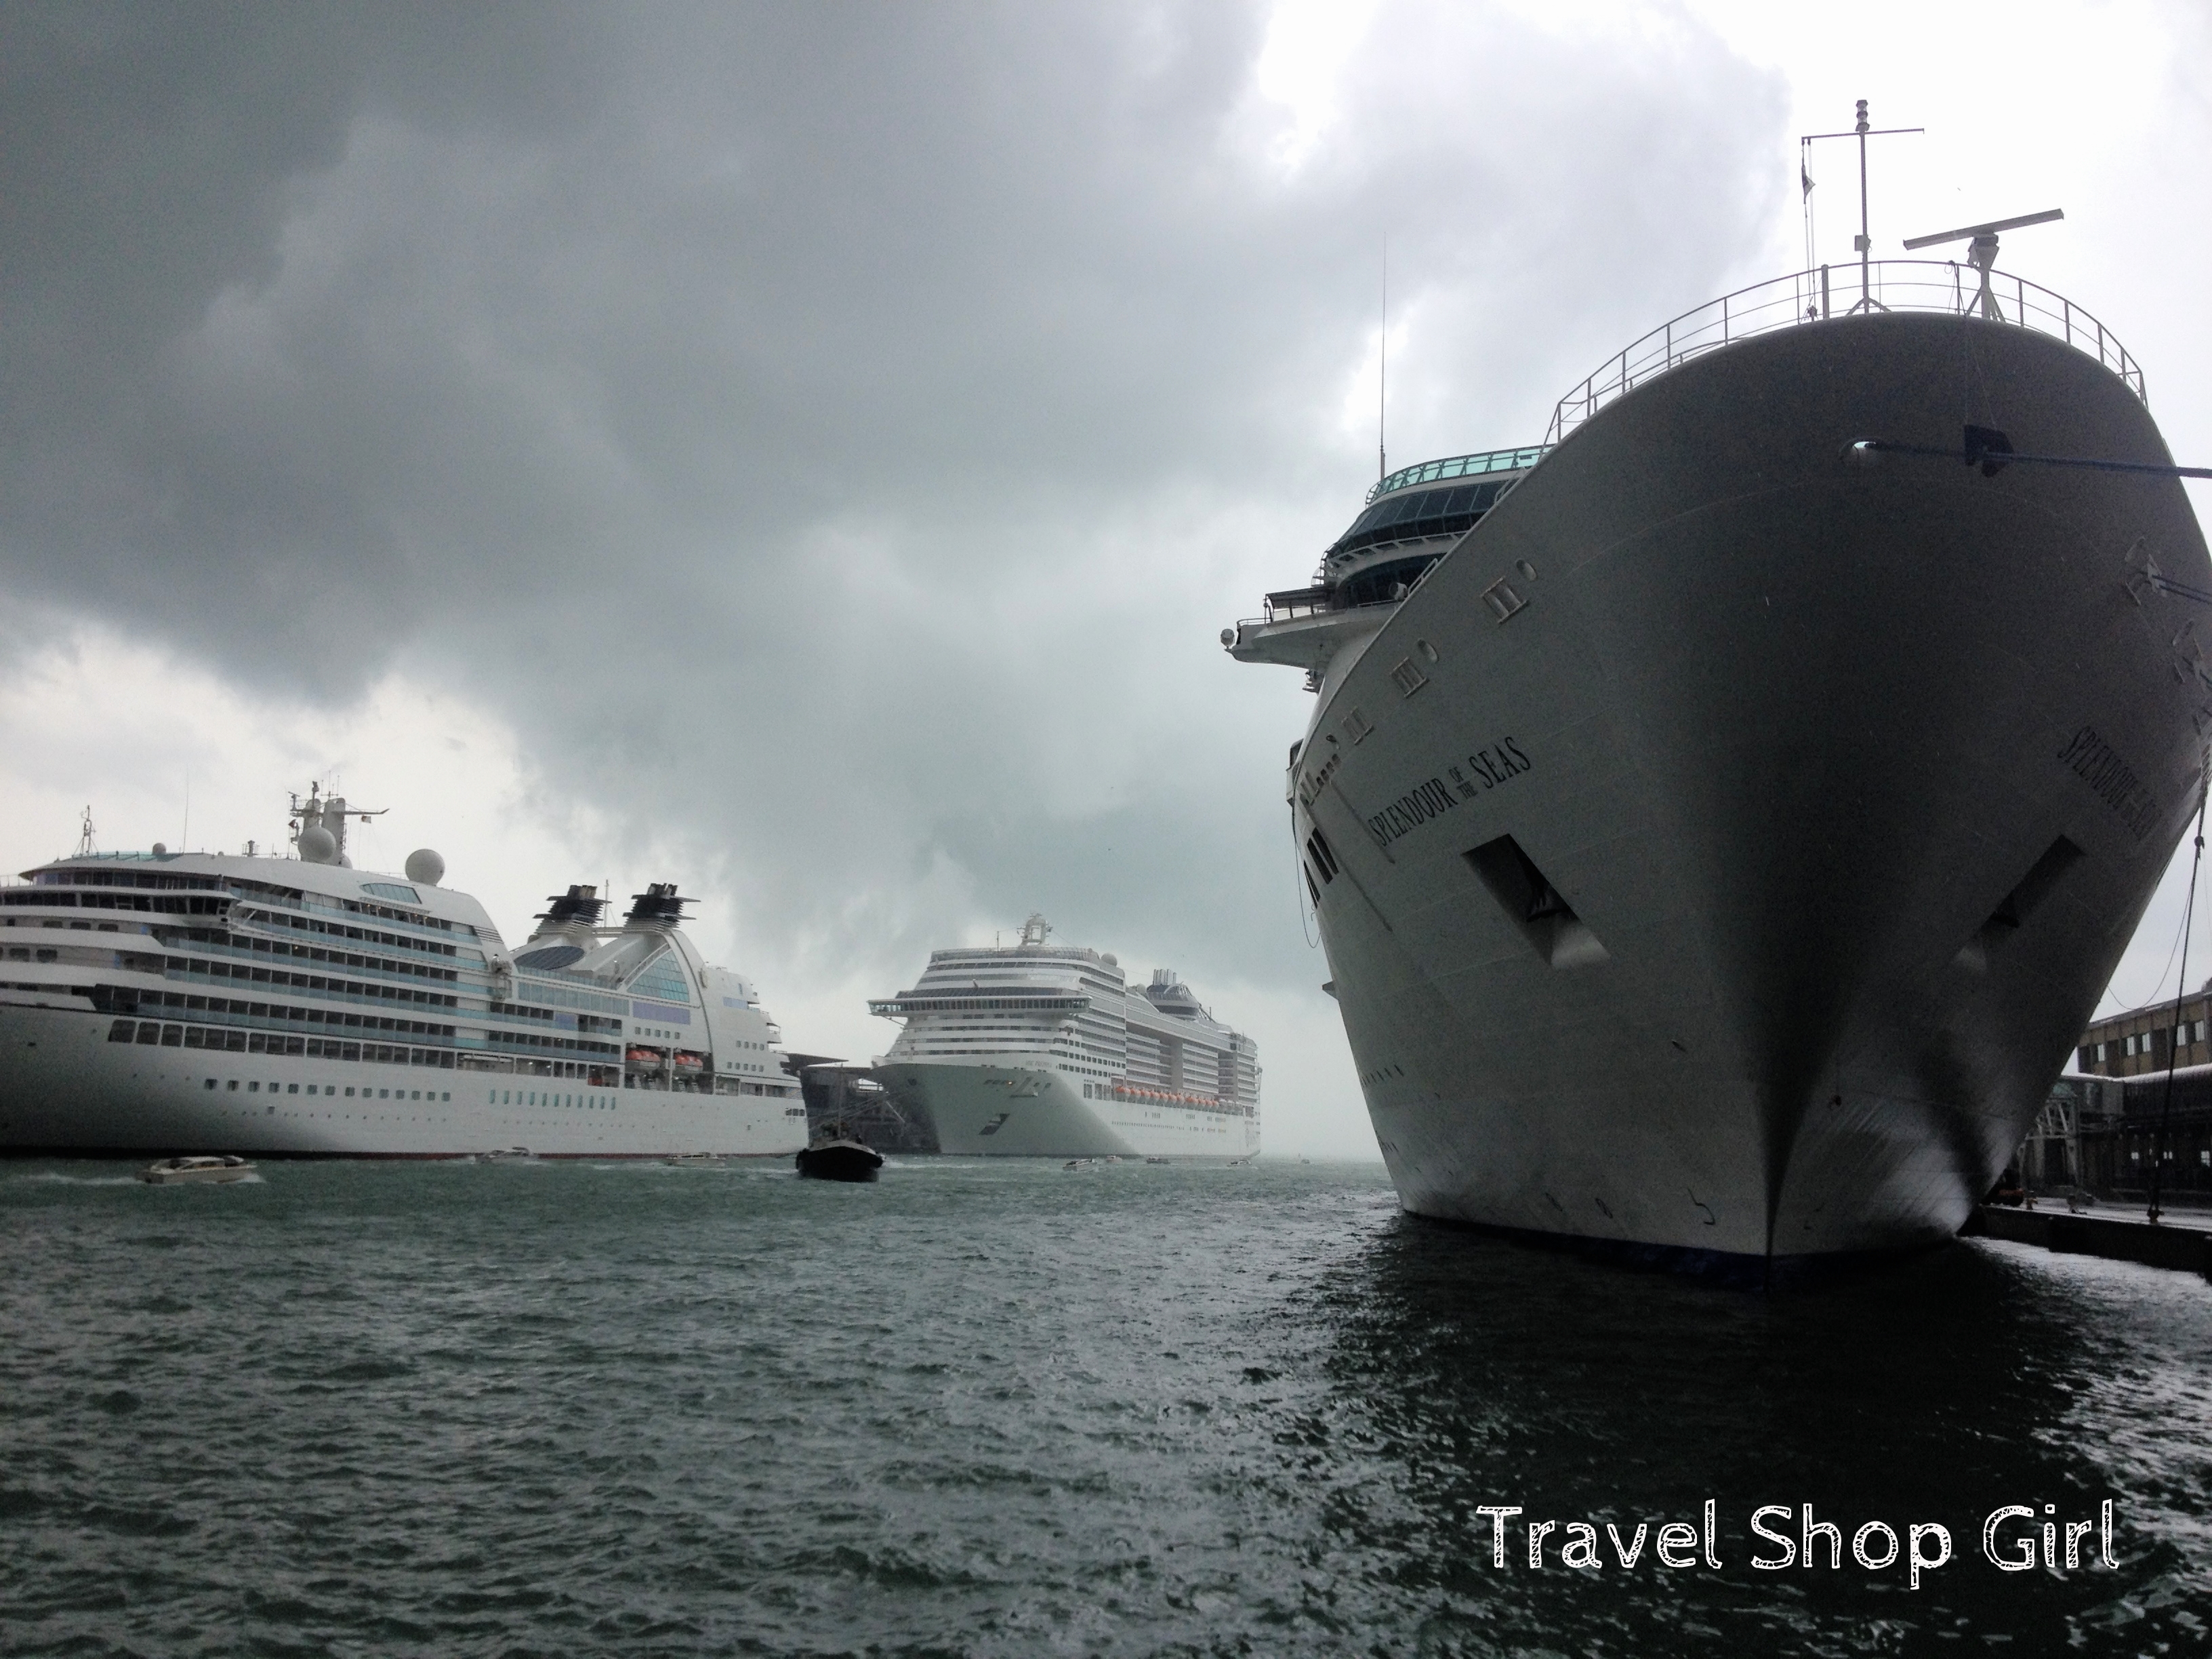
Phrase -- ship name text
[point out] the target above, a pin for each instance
(1485, 770)
(2111, 778)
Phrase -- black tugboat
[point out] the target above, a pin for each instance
(837, 1157)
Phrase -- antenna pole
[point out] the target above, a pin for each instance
(1865, 226)
(1382, 376)
(1863, 243)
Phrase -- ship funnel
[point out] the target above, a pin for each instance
(657, 907)
(572, 916)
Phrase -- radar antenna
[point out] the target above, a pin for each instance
(1982, 253)
(1863, 242)
(319, 816)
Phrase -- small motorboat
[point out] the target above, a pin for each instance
(170, 1171)
(510, 1155)
(681, 1160)
(838, 1157)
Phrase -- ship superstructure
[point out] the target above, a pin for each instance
(1721, 822)
(1045, 1050)
(195, 1001)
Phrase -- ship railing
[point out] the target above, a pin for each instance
(1304, 602)
(1457, 466)
(1828, 294)
(1294, 602)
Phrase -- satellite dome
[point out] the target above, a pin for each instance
(160, 851)
(317, 845)
(426, 866)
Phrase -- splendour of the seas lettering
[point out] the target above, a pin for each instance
(2115, 784)
(1432, 798)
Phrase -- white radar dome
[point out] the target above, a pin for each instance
(317, 845)
(426, 866)
(160, 851)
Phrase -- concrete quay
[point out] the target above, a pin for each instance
(2180, 1239)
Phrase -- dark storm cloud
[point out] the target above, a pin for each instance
(830, 434)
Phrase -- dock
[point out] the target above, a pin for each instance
(2180, 1240)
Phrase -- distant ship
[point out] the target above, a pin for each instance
(199, 1002)
(1720, 819)
(1044, 1050)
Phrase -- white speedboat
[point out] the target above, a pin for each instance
(173, 1171)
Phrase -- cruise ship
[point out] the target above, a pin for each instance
(1723, 817)
(1044, 1050)
(200, 1002)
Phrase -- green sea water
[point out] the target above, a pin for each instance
(1008, 1408)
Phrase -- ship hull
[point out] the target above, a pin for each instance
(1854, 783)
(70, 1090)
(1017, 1110)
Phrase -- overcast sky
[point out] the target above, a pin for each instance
(808, 452)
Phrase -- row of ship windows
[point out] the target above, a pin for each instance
(168, 906)
(306, 953)
(572, 1045)
(516, 1097)
(110, 999)
(294, 898)
(339, 930)
(318, 953)
(123, 878)
(153, 1032)
(331, 1089)
(239, 973)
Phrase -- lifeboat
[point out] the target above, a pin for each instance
(643, 1059)
(689, 1064)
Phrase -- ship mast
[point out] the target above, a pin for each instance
(1864, 241)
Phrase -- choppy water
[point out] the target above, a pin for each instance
(1008, 1409)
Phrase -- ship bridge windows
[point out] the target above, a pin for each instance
(1379, 584)
(1419, 513)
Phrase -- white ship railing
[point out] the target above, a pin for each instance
(1826, 293)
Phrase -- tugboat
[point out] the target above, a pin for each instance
(838, 1157)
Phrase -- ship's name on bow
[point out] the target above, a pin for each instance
(1485, 770)
(2111, 780)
